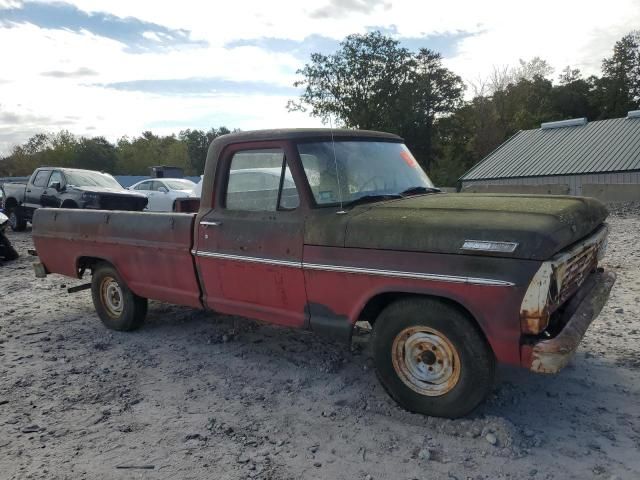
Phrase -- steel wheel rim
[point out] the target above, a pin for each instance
(426, 361)
(111, 296)
(13, 220)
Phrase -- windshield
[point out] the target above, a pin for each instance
(180, 184)
(91, 179)
(364, 169)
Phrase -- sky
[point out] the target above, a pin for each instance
(119, 67)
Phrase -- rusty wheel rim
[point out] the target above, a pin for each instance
(111, 296)
(426, 361)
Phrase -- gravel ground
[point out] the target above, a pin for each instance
(195, 395)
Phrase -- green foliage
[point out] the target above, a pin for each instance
(129, 156)
(372, 82)
(197, 143)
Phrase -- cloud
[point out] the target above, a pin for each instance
(136, 34)
(301, 49)
(340, 8)
(186, 86)
(78, 73)
(17, 127)
(121, 67)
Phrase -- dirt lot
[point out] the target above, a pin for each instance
(194, 395)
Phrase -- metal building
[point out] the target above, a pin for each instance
(575, 157)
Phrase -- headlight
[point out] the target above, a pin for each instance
(90, 198)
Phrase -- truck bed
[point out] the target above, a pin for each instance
(151, 251)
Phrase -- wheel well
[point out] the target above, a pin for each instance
(377, 304)
(10, 203)
(69, 204)
(88, 263)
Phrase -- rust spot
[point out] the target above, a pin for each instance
(549, 356)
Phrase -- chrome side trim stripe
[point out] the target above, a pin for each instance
(412, 275)
(240, 258)
(359, 270)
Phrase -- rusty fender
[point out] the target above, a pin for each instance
(549, 356)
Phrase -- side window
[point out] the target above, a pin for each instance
(159, 187)
(41, 178)
(289, 197)
(255, 179)
(143, 186)
(56, 177)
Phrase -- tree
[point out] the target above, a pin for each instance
(433, 92)
(618, 90)
(359, 85)
(197, 143)
(96, 154)
(371, 82)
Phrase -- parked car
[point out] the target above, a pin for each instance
(252, 179)
(162, 192)
(451, 283)
(67, 188)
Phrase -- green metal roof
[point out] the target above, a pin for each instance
(596, 147)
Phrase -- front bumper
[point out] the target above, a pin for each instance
(551, 355)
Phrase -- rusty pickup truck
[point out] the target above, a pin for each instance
(320, 229)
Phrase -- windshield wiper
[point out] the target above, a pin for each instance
(373, 198)
(418, 190)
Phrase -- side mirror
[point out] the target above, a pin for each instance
(57, 186)
(163, 189)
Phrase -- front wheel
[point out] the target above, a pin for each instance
(16, 221)
(117, 306)
(432, 358)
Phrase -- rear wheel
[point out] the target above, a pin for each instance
(16, 221)
(432, 358)
(6, 249)
(117, 306)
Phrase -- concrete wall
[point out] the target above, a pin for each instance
(574, 182)
(543, 189)
(612, 193)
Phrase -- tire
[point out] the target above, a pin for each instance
(6, 249)
(117, 306)
(432, 358)
(16, 221)
(69, 205)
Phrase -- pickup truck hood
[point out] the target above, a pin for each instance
(110, 191)
(440, 223)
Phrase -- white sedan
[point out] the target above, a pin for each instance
(162, 192)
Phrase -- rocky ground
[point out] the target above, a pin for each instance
(195, 395)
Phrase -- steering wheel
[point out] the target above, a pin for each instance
(371, 181)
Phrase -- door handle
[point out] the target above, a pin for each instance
(210, 224)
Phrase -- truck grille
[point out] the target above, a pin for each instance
(122, 202)
(571, 274)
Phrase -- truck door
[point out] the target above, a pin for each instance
(50, 196)
(249, 246)
(35, 188)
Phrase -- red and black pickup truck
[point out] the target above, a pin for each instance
(351, 229)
